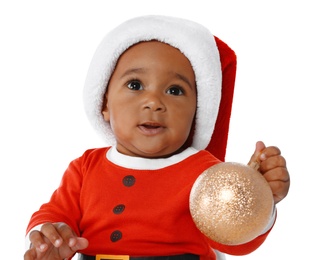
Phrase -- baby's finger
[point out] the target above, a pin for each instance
(272, 163)
(66, 233)
(255, 160)
(270, 151)
(37, 241)
(277, 174)
(50, 232)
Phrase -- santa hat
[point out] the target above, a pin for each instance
(213, 62)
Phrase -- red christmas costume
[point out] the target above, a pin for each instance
(124, 211)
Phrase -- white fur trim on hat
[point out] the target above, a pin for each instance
(192, 39)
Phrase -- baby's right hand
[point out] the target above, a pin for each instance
(54, 241)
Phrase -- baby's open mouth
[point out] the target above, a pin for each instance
(151, 128)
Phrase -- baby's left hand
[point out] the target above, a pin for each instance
(273, 167)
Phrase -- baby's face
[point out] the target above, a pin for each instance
(151, 100)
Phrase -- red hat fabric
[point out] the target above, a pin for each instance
(218, 142)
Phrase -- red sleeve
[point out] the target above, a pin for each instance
(64, 203)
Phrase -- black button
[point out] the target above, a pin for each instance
(128, 181)
(119, 209)
(116, 235)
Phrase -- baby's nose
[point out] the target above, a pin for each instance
(154, 102)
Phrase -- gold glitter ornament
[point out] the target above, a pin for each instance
(231, 203)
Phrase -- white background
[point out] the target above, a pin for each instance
(45, 50)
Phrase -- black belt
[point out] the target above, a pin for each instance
(172, 257)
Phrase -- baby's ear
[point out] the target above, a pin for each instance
(105, 110)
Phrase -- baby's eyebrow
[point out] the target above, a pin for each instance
(185, 79)
(132, 71)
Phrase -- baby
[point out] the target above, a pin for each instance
(159, 90)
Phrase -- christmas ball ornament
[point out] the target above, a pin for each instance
(231, 203)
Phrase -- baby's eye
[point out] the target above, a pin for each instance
(135, 85)
(176, 91)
